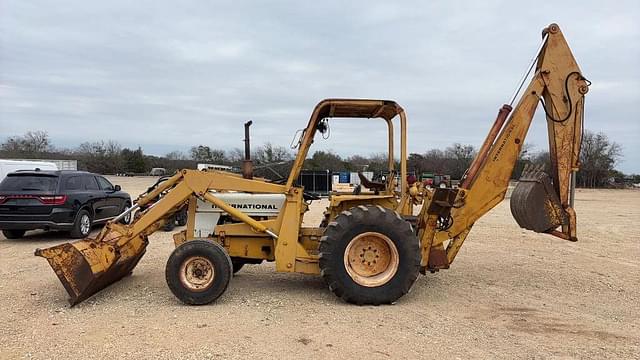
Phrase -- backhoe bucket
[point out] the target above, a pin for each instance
(534, 202)
(87, 266)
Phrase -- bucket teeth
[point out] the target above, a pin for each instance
(533, 173)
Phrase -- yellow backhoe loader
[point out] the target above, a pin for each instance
(371, 246)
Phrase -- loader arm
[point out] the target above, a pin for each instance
(538, 203)
(87, 266)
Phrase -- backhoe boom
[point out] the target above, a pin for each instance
(539, 202)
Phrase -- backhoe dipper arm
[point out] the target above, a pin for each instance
(559, 87)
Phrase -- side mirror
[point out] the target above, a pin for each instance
(117, 188)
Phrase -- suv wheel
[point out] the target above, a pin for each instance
(126, 220)
(13, 234)
(82, 225)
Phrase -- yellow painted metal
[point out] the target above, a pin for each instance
(310, 239)
(455, 244)
(144, 200)
(403, 156)
(191, 220)
(340, 203)
(307, 266)
(426, 235)
(167, 204)
(251, 247)
(180, 238)
(287, 245)
(557, 67)
(391, 161)
(223, 181)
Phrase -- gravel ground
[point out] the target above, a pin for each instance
(510, 294)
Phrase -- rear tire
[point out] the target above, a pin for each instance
(13, 234)
(198, 272)
(82, 225)
(369, 255)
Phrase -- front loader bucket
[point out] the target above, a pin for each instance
(87, 266)
(534, 202)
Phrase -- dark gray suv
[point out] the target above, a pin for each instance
(60, 200)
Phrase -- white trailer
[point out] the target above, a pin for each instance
(9, 166)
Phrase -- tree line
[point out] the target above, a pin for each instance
(599, 156)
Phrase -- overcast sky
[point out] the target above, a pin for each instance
(166, 75)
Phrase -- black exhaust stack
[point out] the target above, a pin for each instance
(247, 164)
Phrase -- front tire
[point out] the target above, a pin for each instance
(13, 234)
(369, 255)
(198, 272)
(82, 225)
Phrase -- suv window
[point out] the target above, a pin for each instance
(16, 182)
(73, 183)
(104, 183)
(90, 183)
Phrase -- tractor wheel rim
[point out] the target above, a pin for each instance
(85, 224)
(197, 273)
(371, 259)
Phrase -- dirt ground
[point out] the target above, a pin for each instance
(510, 294)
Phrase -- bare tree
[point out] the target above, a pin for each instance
(460, 157)
(100, 156)
(30, 144)
(204, 153)
(325, 160)
(235, 156)
(435, 161)
(269, 153)
(176, 155)
(598, 158)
